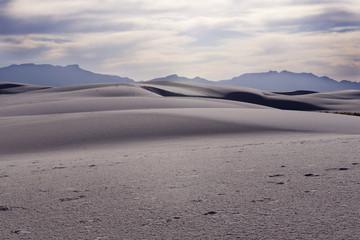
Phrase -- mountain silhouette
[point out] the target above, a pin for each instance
(285, 81)
(288, 81)
(55, 76)
(176, 78)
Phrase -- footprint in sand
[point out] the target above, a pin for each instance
(276, 175)
(71, 199)
(20, 232)
(264, 200)
(59, 167)
(210, 213)
(311, 175)
(3, 208)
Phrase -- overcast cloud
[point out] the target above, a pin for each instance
(214, 39)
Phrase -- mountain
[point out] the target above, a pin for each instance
(55, 76)
(176, 78)
(285, 81)
(288, 81)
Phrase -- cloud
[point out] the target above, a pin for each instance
(319, 2)
(205, 31)
(49, 24)
(3, 5)
(215, 39)
(346, 71)
(324, 21)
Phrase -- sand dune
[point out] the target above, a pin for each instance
(104, 114)
(111, 98)
(347, 100)
(177, 161)
(47, 132)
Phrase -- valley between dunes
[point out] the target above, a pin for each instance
(170, 160)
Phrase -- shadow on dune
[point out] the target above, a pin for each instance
(249, 97)
(14, 88)
(9, 85)
(295, 93)
(163, 92)
(275, 103)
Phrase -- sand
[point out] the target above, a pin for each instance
(178, 161)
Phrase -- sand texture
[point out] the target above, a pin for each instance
(167, 160)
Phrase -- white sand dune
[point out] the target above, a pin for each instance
(347, 100)
(103, 114)
(46, 132)
(178, 161)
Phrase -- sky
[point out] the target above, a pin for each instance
(213, 39)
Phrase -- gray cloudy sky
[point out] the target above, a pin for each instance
(214, 39)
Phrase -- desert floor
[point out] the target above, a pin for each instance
(178, 161)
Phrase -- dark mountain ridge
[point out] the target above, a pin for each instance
(288, 81)
(55, 76)
(284, 81)
(176, 78)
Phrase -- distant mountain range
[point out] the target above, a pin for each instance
(53, 76)
(276, 82)
(289, 81)
(176, 78)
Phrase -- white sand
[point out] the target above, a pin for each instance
(121, 162)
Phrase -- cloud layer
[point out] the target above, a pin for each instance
(216, 39)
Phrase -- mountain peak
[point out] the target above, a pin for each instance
(176, 78)
(55, 76)
(172, 76)
(73, 66)
(287, 81)
(22, 65)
